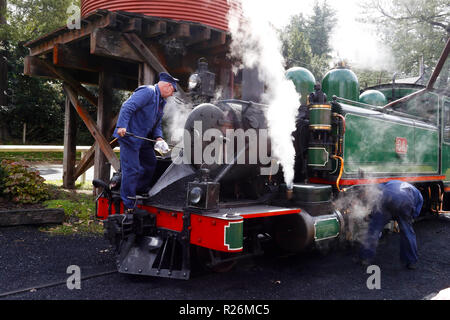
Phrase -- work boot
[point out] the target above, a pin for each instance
(411, 266)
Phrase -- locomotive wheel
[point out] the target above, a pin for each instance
(210, 259)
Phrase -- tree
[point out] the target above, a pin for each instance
(3, 72)
(320, 26)
(37, 102)
(30, 19)
(296, 48)
(414, 29)
(306, 42)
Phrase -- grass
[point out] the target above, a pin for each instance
(36, 156)
(39, 156)
(79, 208)
(86, 186)
(78, 204)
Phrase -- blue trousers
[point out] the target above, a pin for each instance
(408, 244)
(138, 163)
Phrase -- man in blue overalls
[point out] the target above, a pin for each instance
(141, 115)
(402, 202)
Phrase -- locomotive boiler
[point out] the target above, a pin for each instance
(214, 202)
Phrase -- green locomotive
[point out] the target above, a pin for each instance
(346, 141)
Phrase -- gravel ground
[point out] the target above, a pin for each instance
(30, 258)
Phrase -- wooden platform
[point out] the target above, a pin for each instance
(119, 50)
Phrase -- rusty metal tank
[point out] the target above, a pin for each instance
(213, 13)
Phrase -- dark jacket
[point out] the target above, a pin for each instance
(142, 112)
(401, 198)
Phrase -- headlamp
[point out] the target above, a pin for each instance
(194, 81)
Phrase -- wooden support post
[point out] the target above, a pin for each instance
(93, 128)
(69, 158)
(87, 160)
(146, 75)
(83, 176)
(102, 168)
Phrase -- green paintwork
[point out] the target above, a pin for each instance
(325, 229)
(342, 83)
(304, 81)
(446, 161)
(234, 235)
(318, 157)
(369, 145)
(319, 116)
(446, 140)
(373, 97)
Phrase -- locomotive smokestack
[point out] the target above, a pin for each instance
(289, 192)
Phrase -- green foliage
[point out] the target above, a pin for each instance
(30, 19)
(412, 29)
(23, 184)
(369, 78)
(3, 176)
(306, 42)
(38, 103)
(79, 212)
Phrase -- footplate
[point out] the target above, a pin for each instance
(166, 254)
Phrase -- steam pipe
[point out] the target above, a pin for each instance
(343, 120)
(340, 171)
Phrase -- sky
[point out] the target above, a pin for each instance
(352, 40)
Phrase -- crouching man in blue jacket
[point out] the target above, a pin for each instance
(141, 115)
(401, 202)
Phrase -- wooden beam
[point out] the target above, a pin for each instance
(218, 39)
(33, 66)
(69, 157)
(155, 29)
(92, 127)
(70, 58)
(109, 43)
(182, 30)
(143, 52)
(148, 56)
(88, 160)
(31, 216)
(45, 44)
(133, 25)
(146, 75)
(66, 77)
(105, 93)
(199, 35)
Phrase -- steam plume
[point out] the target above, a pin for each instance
(256, 44)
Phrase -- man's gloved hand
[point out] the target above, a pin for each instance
(161, 146)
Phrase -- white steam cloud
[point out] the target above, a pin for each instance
(256, 44)
(175, 115)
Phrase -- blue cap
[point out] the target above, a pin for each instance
(164, 76)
